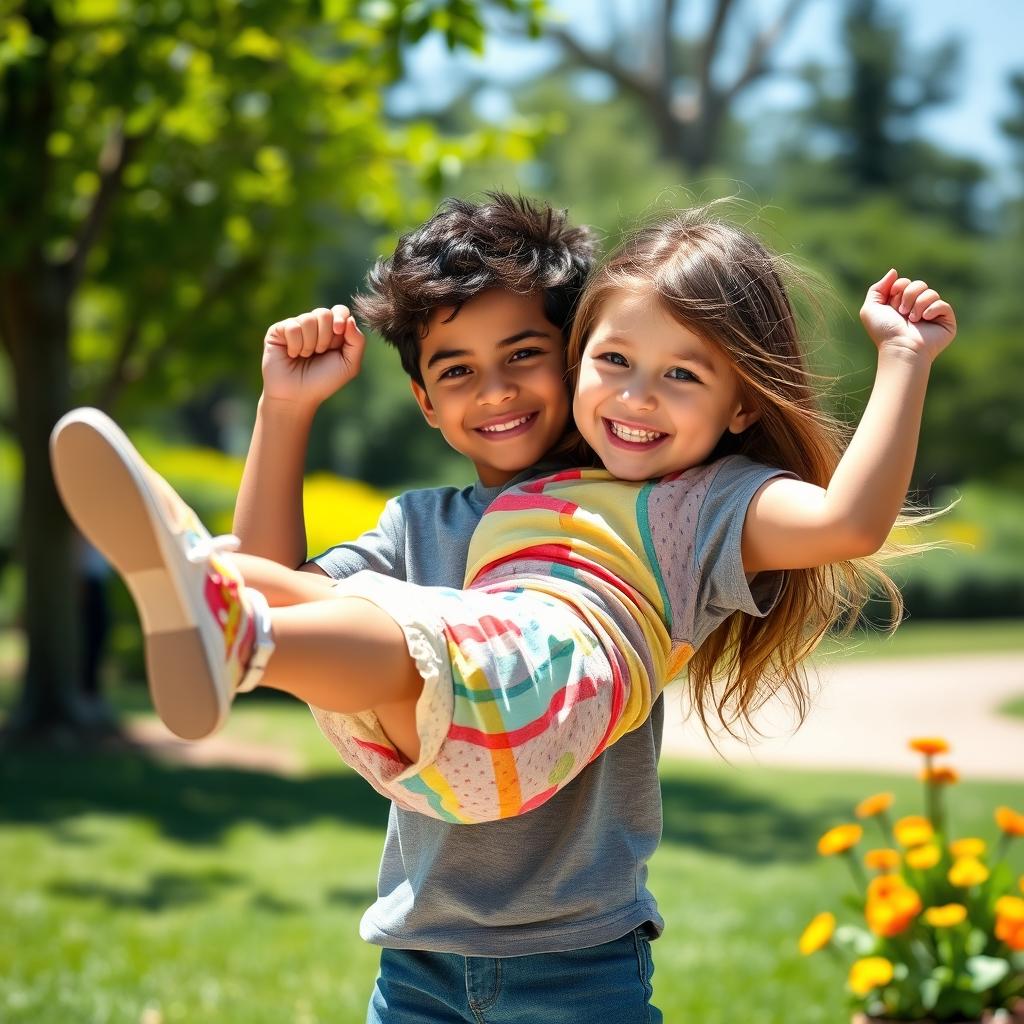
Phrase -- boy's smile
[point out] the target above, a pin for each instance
(494, 381)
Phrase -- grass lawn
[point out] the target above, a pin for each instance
(223, 895)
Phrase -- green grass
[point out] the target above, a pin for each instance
(1014, 708)
(931, 638)
(234, 896)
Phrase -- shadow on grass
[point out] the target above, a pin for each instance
(165, 889)
(719, 817)
(199, 805)
(187, 804)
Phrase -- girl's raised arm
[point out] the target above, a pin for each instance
(795, 525)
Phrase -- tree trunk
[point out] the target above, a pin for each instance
(34, 303)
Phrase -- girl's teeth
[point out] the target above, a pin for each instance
(511, 425)
(632, 434)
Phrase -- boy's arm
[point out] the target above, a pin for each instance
(794, 525)
(305, 360)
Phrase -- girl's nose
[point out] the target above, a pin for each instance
(638, 394)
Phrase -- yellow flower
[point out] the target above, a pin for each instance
(1010, 821)
(968, 847)
(913, 830)
(869, 973)
(930, 745)
(940, 775)
(946, 916)
(1011, 907)
(882, 860)
(967, 871)
(818, 933)
(924, 857)
(839, 839)
(873, 805)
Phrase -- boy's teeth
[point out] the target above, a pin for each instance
(510, 425)
(633, 434)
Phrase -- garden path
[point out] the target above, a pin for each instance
(864, 711)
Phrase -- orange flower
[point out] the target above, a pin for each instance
(967, 871)
(940, 775)
(818, 933)
(924, 857)
(913, 830)
(882, 860)
(930, 745)
(869, 973)
(1010, 821)
(893, 913)
(946, 916)
(871, 806)
(839, 839)
(1010, 921)
(968, 847)
(882, 887)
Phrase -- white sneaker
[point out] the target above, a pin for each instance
(207, 636)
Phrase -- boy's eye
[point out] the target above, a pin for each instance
(616, 358)
(454, 371)
(522, 353)
(678, 373)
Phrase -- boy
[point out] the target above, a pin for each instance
(545, 916)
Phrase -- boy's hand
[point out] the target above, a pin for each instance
(902, 314)
(307, 358)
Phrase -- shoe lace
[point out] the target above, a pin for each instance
(207, 546)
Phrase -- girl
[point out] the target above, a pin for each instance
(724, 534)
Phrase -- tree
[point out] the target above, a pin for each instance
(680, 84)
(157, 161)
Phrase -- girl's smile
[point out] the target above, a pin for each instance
(653, 397)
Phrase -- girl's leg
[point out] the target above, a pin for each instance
(346, 655)
(335, 652)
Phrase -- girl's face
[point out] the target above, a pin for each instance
(653, 397)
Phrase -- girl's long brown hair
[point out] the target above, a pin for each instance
(719, 281)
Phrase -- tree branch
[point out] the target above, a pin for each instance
(117, 151)
(637, 84)
(708, 52)
(757, 63)
(110, 390)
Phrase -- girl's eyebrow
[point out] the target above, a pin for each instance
(683, 356)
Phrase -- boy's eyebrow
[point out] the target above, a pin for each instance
(460, 353)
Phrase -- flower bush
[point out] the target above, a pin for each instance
(942, 936)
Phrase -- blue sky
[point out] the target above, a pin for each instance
(993, 45)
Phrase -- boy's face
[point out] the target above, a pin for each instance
(494, 382)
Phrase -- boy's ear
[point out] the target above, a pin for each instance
(419, 392)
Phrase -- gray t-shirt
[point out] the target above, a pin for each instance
(569, 874)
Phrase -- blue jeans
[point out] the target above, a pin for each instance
(610, 983)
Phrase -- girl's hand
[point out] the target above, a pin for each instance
(307, 358)
(902, 314)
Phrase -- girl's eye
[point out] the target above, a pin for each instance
(678, 373)
(453, 372)
(615, 358)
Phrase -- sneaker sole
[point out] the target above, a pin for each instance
(100, 479)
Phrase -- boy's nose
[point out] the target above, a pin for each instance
(495, 388)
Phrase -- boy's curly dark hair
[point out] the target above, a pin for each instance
(507, 241)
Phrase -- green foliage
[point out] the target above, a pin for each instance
(204, 143)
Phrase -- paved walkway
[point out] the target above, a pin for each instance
(865, 711)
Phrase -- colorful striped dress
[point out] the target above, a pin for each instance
(585, 596)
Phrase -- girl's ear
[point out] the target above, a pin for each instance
(419, 392)
(745, 415)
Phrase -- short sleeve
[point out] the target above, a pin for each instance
(381, 549)
(722, 585)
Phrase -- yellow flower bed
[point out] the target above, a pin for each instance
(942, 932)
